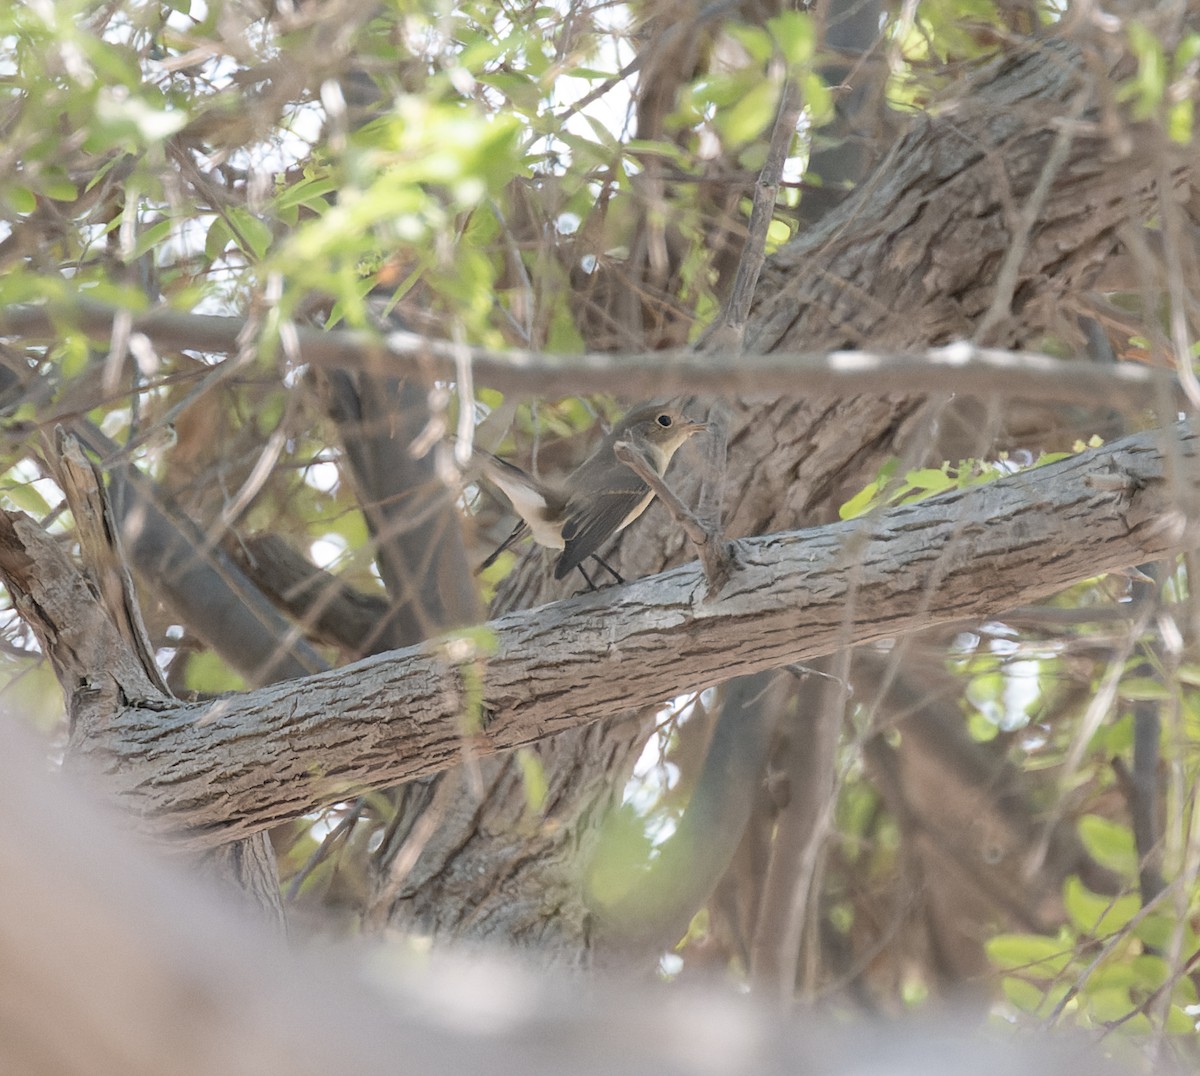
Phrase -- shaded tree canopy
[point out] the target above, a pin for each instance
(270, 271)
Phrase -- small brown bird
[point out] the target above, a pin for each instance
(600, 497)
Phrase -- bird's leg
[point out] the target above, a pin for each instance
(587, 579)
(607, 567)
(603, 564)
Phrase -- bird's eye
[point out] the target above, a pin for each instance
(664, 421)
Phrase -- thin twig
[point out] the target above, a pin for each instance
(629, 455)
(325, 849)
(730, 328)
(715, 555)
(1022, 231)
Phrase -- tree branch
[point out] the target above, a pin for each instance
(213, 772)
(117, 965)
(728, 331)
(963, 368)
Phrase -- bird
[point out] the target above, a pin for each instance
(600, 498)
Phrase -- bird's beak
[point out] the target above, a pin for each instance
(690, 426)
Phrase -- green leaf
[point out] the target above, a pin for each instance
(24, 287)
(133, 120)
(982, 730)
(34, 698)
(208, 673)
(818, 99)
(1143, 688)
(1025, 995)
(933, 479)
(755, 40)
(778, 233)
(59, 188)
(150, 237)
(793, 33)
(749, 118)
(1105, 1006)
(1180, 1022)
(1181, 122)
(860, 503)
(1112, 975)
(1030, 953)
(523, 91)
(218, 239)
(1157, 931)
(115, 293)
(308, 192)
(253, 232)
(1150, 971)
(985, 690)
(1109, 843)
(864, 500)
(1187, 51)
(1094, 914)
(24, 495)
(533, 777)
(1148, 85)
(22, 199)
(72, 353)
(643, 147)
(1189, 674)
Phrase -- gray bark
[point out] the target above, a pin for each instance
(986, 373)
(212, 772)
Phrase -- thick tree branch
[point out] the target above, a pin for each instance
(912, 256)
(212, 772)
(116, 965)
(95, 664)
(963, 368)
(199, 582)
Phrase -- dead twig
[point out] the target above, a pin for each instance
(716, 555)
(730, 328)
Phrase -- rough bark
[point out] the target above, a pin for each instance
(89, 624)
(210, 772)
(912, 258)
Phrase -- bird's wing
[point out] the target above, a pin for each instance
(591, 522)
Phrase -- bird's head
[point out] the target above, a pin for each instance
(660, 427)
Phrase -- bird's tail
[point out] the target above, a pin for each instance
(518, 532)
(527, 495)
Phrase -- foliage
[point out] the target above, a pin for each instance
(889, 488)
